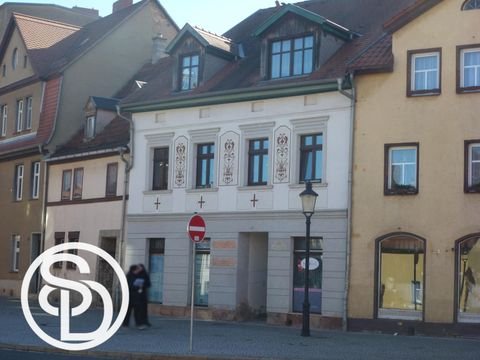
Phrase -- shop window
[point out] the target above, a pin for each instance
(202, 272)
(315, 275)
(468, 252)
(401, 277)
(156, 263)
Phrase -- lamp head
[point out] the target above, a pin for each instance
(309, 198)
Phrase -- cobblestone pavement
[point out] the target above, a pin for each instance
(169, 338)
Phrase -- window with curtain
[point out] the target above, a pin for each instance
(189, 72)
(469, 68)
(424, 72)
(472, 166)
(401, 169)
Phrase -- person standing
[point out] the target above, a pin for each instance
(130, 280)
(141, 284)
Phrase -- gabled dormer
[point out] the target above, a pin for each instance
(296, 42)
(99, 112)
(198, 55)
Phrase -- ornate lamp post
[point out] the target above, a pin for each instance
(308, 197)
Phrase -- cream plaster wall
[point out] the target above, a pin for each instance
(94, 177)
(90, 219)
(21, 72)
(441, 212)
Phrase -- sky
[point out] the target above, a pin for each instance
(213, 15)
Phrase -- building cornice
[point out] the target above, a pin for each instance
(232, 96)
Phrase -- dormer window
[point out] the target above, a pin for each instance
(90, 127)
(291, 57)
(471, 4)
(190, 65)
(15, 58)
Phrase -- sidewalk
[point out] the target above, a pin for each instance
(169, 339)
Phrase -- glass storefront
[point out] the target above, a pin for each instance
(401, 274)
(202, 272)
(315, 276)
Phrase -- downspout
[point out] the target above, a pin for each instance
(43, 224)
(352, 96)
(128, 166)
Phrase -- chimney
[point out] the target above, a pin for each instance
(277, 4)
(121, 4)
(158, 48)
(85, 11)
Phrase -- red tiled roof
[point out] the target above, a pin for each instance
(364, 17)
(40, 33)
(115, 135)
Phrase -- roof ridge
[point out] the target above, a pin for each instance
(46, 21)
(198, 28)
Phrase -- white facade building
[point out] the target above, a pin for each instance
(253, 229)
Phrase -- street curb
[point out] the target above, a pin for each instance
(120, 355)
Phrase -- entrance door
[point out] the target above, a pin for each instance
(252, 272)
(34, 253)
(105, 273)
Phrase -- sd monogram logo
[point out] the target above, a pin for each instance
(69, 340)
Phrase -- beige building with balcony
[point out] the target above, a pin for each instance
(415, 264)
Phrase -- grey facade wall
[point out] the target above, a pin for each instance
(229, 266)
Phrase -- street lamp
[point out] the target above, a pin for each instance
(308, 197)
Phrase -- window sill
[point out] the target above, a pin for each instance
(399, 314)
(314, 185)
(424, 93)
(200, 190)
(468, 90)
(254, 187)
(400, 192)
(472, 190)
(158, 192)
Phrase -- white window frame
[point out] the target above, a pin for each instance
(90, 127)
(4, 119)
(20, 104)
(14, 58)
(15, 252)
(19, 173)
(471, 161)
(35, 180)
(414, 71)
(390, 164)
(462, 66)
(28, 117)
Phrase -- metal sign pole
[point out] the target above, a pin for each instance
(192, 299)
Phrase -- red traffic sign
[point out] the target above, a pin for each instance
(196, 228)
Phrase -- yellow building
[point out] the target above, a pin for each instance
(415, 256)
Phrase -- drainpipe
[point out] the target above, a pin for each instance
(43, 224)
(352, 96)
(128, 166)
